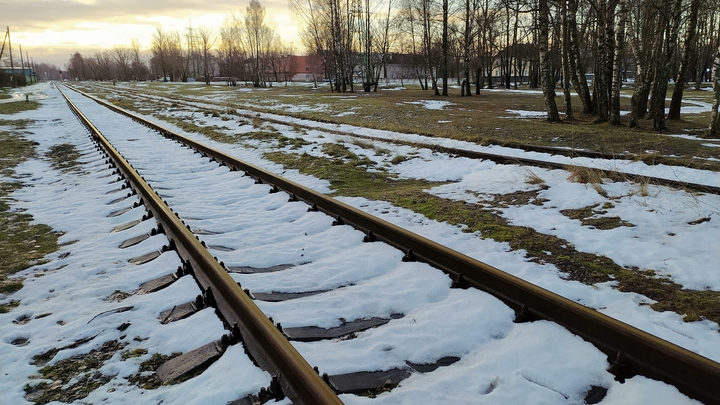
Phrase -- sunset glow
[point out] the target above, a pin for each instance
(55, 29)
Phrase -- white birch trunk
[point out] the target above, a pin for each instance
(617, 68)
(714, 116)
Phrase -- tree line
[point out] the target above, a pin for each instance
(245, 48)
(586, 47)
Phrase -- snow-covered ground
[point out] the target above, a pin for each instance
(501, 362)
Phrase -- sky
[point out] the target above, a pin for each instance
(52, 30)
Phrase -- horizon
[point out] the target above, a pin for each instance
(56, 29)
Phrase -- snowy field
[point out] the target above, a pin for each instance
(502, 363)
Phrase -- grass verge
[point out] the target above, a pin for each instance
(22, 243)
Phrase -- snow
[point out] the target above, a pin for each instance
(501, 362)
(431, 104)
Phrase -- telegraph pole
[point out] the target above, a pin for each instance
(22, 68)
(12, 66)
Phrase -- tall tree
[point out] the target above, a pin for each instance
(566, 64)
(138, 66)
(258, 40)
(681, 79)
(206, 42)
(76, 66)
(160, 50)
(617, 62)
(230, 53)
(548, 82)
(714, 116)
(664, 63)
(444, 67)
(122, 56)
(577, 65)
(468, 37)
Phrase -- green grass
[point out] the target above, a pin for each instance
(15, 107)
(146, 378)
(22, 243)
(483, 119)
(64, 157)
(82, 367)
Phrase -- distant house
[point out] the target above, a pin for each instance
(16, 76)
(306, 69)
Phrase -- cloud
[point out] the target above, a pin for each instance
(66, 26)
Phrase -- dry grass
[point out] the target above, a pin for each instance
(483, 119)
(532, 178)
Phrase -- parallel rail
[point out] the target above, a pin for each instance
(270, 348)
(629, 349)
(503, 159)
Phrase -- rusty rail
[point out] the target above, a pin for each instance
(270, 348)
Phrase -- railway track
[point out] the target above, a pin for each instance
(629, 350)
(500, 158)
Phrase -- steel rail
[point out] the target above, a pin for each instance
(270, 348)
(503, 159)
(629, 349)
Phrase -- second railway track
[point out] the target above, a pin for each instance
(612, 169)
(327, 283)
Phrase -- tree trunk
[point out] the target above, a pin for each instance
(602, 75)
(445, 11)
(714, 116)
(576, 64)
(566, 62)
(545, 76)
(617, 68)
(664, 71)
(466, 50)
(674, 113)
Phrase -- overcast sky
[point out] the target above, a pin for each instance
(52, 30)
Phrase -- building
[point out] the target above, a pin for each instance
(306, 69)
(16, 76)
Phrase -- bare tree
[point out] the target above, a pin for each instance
(575, 60)
(259, 39)
(205, 47)
(548, 83)
(664, 63)
(681, 79)
(76, 66)
(160, 50)
(566, 64)
(644, 39)
(231, 53)
(101, 65)
(617, 64)
(122, 56)
(139, 68)
(316, 35)
(714, 116)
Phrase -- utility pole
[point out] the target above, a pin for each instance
(30, 73)
(22, 68)
(12, 66)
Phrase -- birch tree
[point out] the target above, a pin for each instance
(206, 43)
(545, 77)
(231, 54)
(681, 79)
(617, 64)
(714, 116)
(161, 52)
